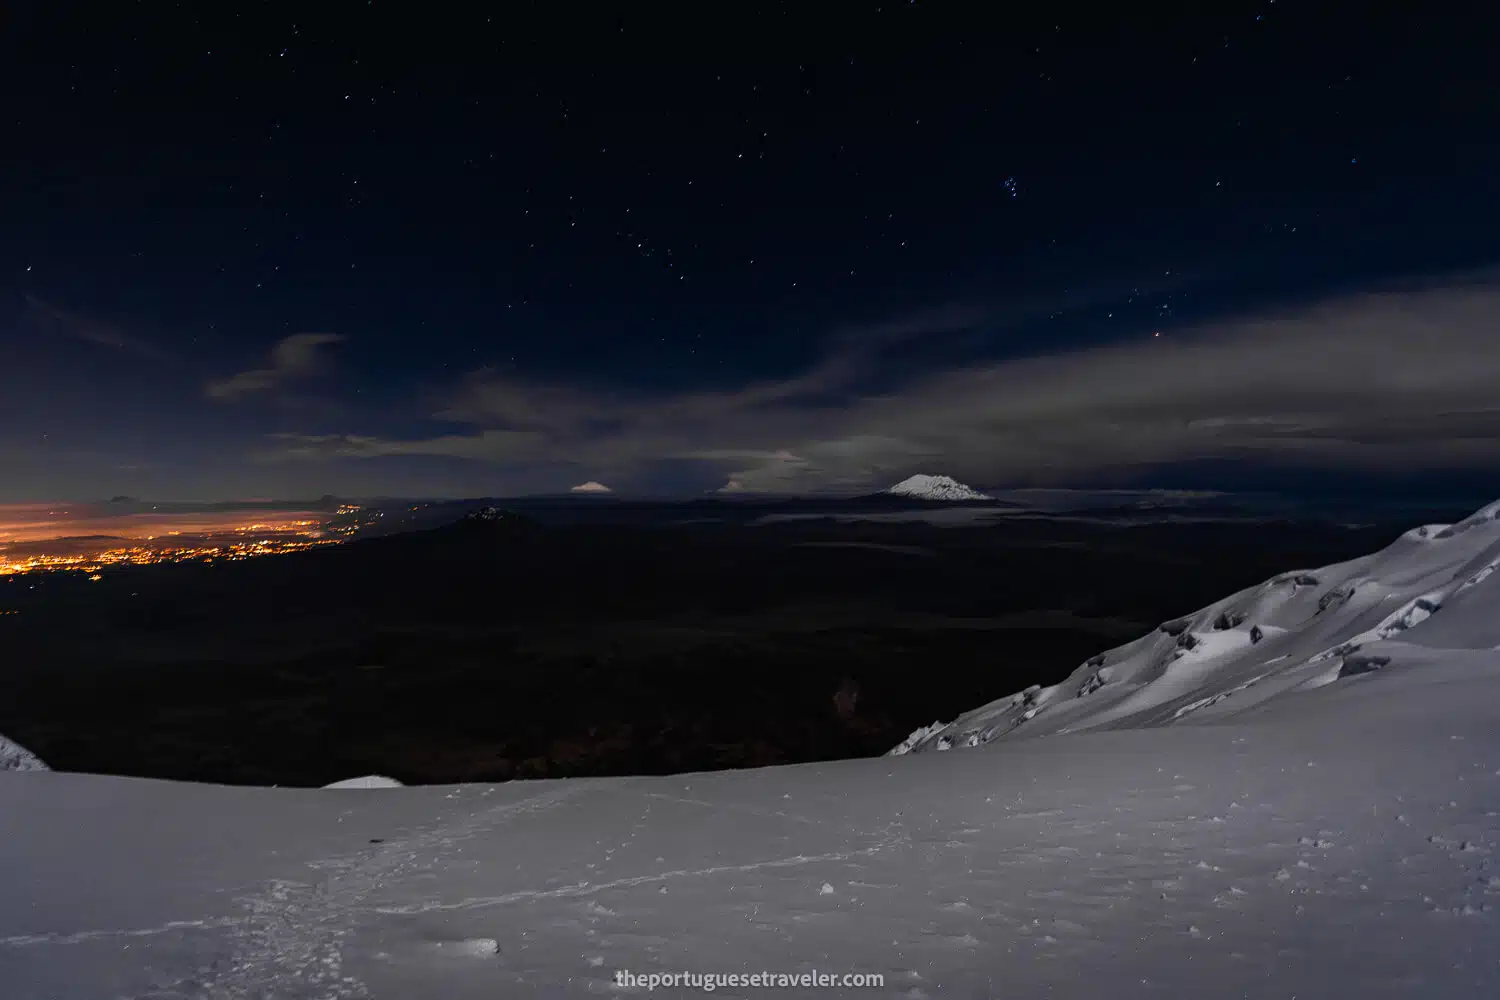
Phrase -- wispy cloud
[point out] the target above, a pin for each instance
(486, 445)
(1404, 378)
(293, 357)
(59, 322)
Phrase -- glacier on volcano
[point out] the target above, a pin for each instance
(924, 487)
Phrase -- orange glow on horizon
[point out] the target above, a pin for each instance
(43, 522)
(61, 538)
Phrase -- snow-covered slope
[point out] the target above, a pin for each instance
(14, 757)
(1428, 593)
(1337, 838)
(924, 487)
(1344, 847)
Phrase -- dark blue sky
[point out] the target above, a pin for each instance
(374, 248)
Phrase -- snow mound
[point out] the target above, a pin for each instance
(925, 487)
(367, 781)
(14, 757)
(1431, 594)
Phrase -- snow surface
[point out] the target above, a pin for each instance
(14, 757)
(935, 488)
(367, 781)
(1426, 593)
(1319, 840)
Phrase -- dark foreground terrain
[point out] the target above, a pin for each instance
(488, 650)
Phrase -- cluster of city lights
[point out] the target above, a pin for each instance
(141, 555)
(245, 529)
(298, 536)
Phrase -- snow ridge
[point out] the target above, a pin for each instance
(366, 781)
(14, 757)
(926, 487)
(1429, 596)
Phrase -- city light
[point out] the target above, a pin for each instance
(274, 538)
(142, 555)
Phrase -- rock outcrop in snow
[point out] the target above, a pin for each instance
(1430, 595)
(923, 487)
(14, 757)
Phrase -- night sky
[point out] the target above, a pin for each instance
(255, 250)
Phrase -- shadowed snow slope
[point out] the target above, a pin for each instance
(1428, 595)
(14, 757)
(1337, 839)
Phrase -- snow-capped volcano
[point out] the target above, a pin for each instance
(924, 487)
(1428, 597)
